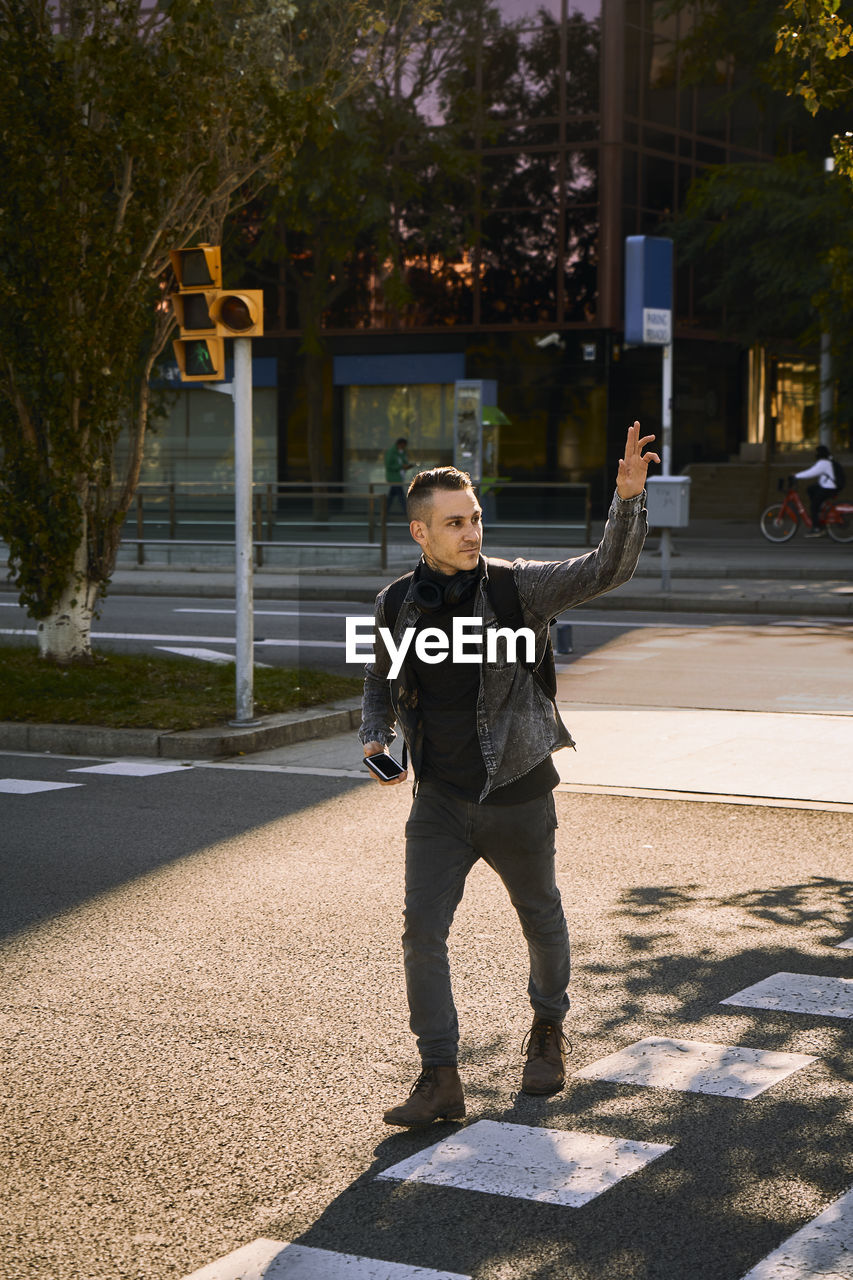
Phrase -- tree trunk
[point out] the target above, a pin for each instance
(65, 635)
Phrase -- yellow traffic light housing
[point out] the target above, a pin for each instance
(237, 314)
(200, 359)
(199, 351)
(197, 267)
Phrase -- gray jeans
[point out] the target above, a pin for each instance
(444, 838)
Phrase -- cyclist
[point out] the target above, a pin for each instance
(823, 473)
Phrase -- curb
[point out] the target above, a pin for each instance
(211, 743)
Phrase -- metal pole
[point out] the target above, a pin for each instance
(666, 460)
(243, 531)
(827, 389)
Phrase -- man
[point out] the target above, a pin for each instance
(823, 473)
(480, 736)
(396, 462)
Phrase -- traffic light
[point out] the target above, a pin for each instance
(239, 314)
(199, 351)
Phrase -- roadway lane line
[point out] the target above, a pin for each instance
(26, 787)
(157, 637)
(280, 613)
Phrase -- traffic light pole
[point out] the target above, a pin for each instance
(243, 478)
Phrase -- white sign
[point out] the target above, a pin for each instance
(657, 326)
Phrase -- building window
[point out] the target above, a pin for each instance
(376, 416)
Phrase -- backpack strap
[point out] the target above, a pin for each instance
(395, 594)
(503, 594)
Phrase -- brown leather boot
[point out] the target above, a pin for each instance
(435, 1095)
(545, 1068)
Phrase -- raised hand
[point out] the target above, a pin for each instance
(631, 479)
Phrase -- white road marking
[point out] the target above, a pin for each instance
(203, 655)
(822, 1248)
(157, 636)
(27, 787)
(131, 769)
(282, 613)
(799, 993)
(278, 1260)
(517, 1160)
(848, 944)
(241, 766)
(724, 1070)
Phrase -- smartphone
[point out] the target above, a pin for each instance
(384, 766)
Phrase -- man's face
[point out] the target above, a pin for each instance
(452, 534)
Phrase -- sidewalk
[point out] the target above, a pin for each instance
(716, 566)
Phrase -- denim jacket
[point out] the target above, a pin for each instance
(517, 723)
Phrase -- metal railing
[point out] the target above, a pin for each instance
(184, 505)
(510, 505)
(332, 516)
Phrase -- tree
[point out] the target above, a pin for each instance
(769, 238)
(127, 128)
(813, 46)
(371, 211)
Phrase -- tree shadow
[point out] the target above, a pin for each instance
(84, 842)
(741, 1175)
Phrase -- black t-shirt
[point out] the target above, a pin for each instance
(447, 697)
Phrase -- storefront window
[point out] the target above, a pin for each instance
(193, 440)
(374, 417)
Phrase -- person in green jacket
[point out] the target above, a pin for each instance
(396, 462)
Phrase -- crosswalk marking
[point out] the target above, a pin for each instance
(548, 1165)
(799, 993)
(823, 1248)
(130, 769)
(30, 786)
(724, 1070)
(279, 1260)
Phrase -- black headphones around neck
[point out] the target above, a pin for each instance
(429, 596)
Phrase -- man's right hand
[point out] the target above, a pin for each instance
(373, 749)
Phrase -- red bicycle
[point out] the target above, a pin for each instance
(780, 521)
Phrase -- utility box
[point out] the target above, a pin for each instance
(668, 501)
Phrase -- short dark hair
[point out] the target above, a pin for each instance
(424, 485)
(401, 440)
(822, 451)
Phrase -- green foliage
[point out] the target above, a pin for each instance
(129, 691)
(127, 128)
(814, 45)
(769, 239)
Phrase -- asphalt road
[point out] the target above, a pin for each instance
(204, 1019)
(738, 656)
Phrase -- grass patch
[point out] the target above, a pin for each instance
(123, 691)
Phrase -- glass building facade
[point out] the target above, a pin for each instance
(572, 126)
